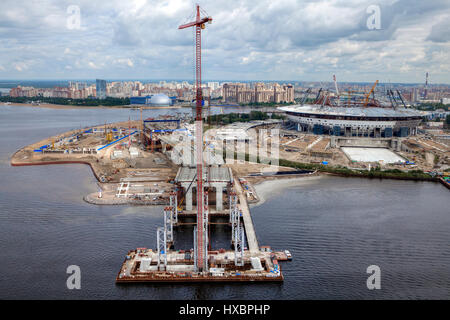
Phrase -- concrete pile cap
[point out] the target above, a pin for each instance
(216, 174)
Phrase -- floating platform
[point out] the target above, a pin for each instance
(141, 265)
(170, 278)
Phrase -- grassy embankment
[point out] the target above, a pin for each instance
(343, 171)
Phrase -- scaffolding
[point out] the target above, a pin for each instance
(235, 222)
(174, 205)
(162, 248)
(239, 244)
(233, 205)
(168, 224)
(205, 230)
(237, 231)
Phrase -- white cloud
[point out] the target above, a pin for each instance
(20, 66)
(93, 65)
(283, 39)
(125, 62)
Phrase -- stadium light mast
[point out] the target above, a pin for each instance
(202, 223)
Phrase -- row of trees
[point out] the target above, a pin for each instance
(242, 117)
(432, 106)
(344, 171)
(266, 104)
(109, 101)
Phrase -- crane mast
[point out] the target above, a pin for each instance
(336, 87)
(200, 237)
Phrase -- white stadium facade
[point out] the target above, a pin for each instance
(377, 122)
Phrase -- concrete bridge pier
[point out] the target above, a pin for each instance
(188, 195)
(218, 187)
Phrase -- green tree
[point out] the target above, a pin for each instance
(109, 101)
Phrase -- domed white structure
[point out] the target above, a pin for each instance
(160, 99)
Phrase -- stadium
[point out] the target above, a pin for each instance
(159, 99)
(355, 121)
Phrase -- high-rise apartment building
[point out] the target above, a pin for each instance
(100, 88)
(213, 85)
(260, 93)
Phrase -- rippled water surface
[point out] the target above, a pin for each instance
(334, 227)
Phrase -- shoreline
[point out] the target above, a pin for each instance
(134, 107)
(64, 106)
(263, 188)
(44, 163)
(263, 185)
(266, 187)
(107, 175)
(383, 176)
(52, 106)
(89, 160)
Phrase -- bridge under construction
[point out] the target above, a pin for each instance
(246, 262)
(202, 264)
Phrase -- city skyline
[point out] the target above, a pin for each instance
(282, 41)
(228, 92)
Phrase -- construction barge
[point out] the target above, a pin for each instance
(142, 265)
(241, 264)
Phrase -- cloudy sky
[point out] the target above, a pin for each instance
(248, 40)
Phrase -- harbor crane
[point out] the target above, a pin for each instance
(200, 237)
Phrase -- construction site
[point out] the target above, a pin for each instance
(202, 264)
(418, 152)
(362, 130)
(168, 162)
(186, 168)
(155, 162)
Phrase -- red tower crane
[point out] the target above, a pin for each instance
(201, 245)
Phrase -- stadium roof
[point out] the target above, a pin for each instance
(353, 111)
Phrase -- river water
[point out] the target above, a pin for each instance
(334, 227)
